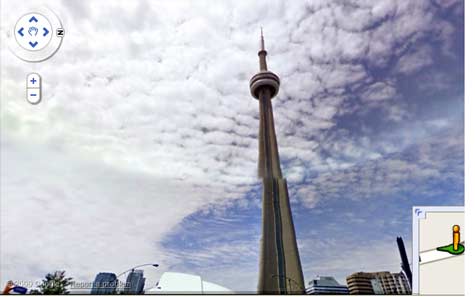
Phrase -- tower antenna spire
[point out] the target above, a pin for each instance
(262, 54)
(262, 40)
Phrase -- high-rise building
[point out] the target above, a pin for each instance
(104, 283)
(326, 285)
(135, 282)
(359, 283)
(280, 271)
(380, 283)
(377, 287)
(393, 283)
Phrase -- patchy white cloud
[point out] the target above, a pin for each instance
(435, 160)
(416, 60)
(379, 91)
(82, 216)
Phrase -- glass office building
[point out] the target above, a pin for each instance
(104, 283)
(326, 285)
(135, 282)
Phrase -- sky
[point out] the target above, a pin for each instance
(144, 148)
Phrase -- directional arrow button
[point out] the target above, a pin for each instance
(36, 35)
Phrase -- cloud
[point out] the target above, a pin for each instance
(415, 169)
(82, 216)
(379, 91)
(416, 60)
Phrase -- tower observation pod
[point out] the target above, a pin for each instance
(280, 270)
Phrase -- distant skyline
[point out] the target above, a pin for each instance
(144, 148)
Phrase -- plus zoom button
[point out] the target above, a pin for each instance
(33, 88)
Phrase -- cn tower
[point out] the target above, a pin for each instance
(280, 271)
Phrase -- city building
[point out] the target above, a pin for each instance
(393, 283)
(280, 270)
(104, 283)
(359, 283)
(381, 283)
(377, 287)
(182, 283)
(326, 285)
(135, 282)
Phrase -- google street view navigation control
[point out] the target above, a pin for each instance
(35, 37)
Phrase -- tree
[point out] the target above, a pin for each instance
(54, 284)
